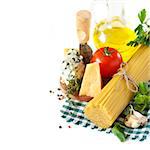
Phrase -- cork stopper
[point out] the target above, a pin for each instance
(83, 19)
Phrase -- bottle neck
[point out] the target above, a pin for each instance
(107, 9)
(115, 8)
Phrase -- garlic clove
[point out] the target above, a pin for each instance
(142, 119)
(135, 119)
(131, 121)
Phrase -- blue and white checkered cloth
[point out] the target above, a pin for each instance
(72, 111)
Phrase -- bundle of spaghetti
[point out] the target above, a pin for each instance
(105, 108)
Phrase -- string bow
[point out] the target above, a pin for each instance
(129, 81)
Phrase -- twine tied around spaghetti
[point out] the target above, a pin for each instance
(129, 81)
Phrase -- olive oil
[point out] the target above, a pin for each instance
(113, 31)
(116, 36)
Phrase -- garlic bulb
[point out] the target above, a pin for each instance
(135, 119)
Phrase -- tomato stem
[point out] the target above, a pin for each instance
(107, 52)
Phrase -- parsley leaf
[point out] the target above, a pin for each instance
(142, 15)
(142, 31)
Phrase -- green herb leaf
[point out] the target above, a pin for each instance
(126, 110)
(142, 31)
(143, 88)
(139, 29)
(142, 15)
(117, 130)
(142, 97)
(74, 86)
(139, 108)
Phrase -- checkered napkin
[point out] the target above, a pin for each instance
(72, 111)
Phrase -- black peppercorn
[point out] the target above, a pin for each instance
(60, 127)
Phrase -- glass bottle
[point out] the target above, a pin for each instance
(111, 28)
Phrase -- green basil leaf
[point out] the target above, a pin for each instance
(143, 88)
(117, 130)
(140, 99)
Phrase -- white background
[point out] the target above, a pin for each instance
(33, 34)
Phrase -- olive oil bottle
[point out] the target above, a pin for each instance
(113, 31)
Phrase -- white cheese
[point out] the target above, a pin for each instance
(73, 60)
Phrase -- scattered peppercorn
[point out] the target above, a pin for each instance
(58, 94)
(51, 92)
(60, 127)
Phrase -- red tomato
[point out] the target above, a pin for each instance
(109, 60)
